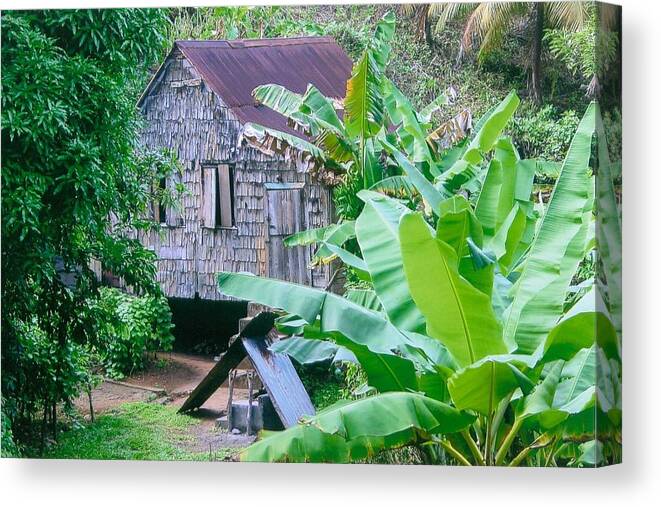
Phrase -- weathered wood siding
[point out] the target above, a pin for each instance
(182, 114)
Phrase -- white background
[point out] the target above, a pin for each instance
(636, 482)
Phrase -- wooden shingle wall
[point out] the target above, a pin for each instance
(182, 114)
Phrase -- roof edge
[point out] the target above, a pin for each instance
(246, 43)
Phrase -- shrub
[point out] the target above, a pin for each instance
(544, 133)
(9, 448)
(131, 326)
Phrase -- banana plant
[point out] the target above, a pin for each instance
(345, 135)
(472, 354)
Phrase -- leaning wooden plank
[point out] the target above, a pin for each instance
(261, 324)
(282, 383)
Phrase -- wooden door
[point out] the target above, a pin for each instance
(285, 216)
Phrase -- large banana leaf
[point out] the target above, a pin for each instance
(274, 142)
(377, 231)
(508, 179)
(336, 234)
(357, 430)
(484, 384)
(539, 293)
(395, 186)
(310, 111)
(306, 351)
(578, 332)
(540, 400)
(457, 314)
(609, 231)
(350, 325)
(366, 298)
(507, 239)
(278, 98)
(385, 372)
(575, 395)
(412, 136)
(363, 104)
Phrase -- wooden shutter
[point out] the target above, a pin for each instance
(209, 186)
(173, 214)
(225, 195)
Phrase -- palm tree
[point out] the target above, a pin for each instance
(487, 22)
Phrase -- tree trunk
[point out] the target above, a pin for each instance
(429, 36)
(89, 397)
(43, 428)
(536, 53)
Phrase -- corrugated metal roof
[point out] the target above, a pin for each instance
(233, 69)
(282, 383)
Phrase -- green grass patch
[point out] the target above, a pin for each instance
(134, 431)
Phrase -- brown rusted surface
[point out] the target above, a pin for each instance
(233, 69)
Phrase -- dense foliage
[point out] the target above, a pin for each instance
(129, 327)
(74, 186)
(468, 339)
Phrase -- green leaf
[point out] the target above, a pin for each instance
(581, 331)
(490, 129)
(352, 260)
(556, 251)
(353, 431)
(417, 179)
(363, 104)
(337, 234)
(541, 398)
(278, 98)
(456, 223)
(508, 237)
(395, 186)
(608, 228)
(484, 384)
(377, 231)
(457, 314)
(305, 351)
(411, 134)
(275, 142)
(366, 298)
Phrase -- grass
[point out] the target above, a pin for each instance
(133, 431)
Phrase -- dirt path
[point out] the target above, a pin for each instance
(169, 379)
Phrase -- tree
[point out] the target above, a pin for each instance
(75, 187)
(487, 22)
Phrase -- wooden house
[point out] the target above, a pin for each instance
(240, 202)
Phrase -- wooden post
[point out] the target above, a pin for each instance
(249, 415)
(232, 376)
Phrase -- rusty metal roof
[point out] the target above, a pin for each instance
(233, 69)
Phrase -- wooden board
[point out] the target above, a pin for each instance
(225, 195)
(285, 217)
(209, 186)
